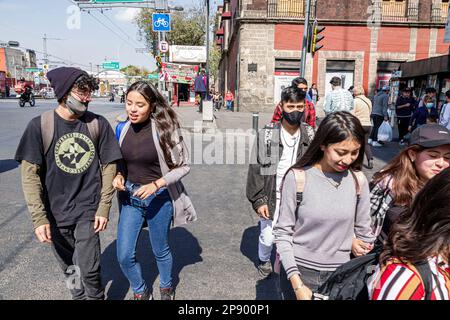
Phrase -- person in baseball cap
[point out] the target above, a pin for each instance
(395, 186)
(430, 136)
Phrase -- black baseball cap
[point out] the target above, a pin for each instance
(430, 136)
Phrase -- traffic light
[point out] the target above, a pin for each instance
(158, 61)
(316, 37)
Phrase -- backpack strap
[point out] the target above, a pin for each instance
(119, 128)
(93, 126)
(47, 129)
(360, 179)
(425, 273)
(300, 178)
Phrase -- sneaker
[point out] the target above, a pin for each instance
(167, 293)
(265, 268)
(376, 144)
(402, 142)
(369, 141)
(146, 295)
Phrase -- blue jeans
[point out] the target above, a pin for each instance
(229, 105)
(157, 209)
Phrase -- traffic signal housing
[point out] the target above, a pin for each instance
(316, 37)
(158, 61)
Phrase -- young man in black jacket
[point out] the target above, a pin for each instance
(278, 147)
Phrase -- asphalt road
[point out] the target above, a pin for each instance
(214, 257)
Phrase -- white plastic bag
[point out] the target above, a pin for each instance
(385, 132)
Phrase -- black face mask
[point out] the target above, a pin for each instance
(293, 118)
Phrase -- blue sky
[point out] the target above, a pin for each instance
(26, 21)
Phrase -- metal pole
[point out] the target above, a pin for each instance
(255, 121)
(45, 53)
(159, 54)
(163, 59)
(207, 49)
(305, 39)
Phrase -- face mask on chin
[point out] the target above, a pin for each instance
(75, 106)
(293, 118)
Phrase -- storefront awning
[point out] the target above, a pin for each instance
(424, 67)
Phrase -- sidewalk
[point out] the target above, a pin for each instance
(189, 116)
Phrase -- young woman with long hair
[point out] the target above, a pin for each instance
(395, 186)
(421, 235)
(155, 160)
(314, 235)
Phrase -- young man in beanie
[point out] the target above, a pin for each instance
(68, 160)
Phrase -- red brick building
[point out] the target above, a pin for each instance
(365, 40)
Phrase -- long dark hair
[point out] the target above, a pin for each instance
(165, 118)
(335, 128)
(405, 178)
(423, 230)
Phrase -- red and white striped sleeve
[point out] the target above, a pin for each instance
(397, 282)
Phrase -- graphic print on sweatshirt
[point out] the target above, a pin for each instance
(74, 153)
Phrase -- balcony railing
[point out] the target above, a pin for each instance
(394, 11)
(286, 8)
(439, 14)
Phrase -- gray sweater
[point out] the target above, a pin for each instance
(380, 104)
(319, 234)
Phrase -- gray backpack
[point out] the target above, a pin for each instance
(48, 128)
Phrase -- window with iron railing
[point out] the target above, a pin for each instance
(444, 9)
(286, 8)
(394, 10)
(439, 12)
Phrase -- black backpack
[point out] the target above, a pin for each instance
(349, 281)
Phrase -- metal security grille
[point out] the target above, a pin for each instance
(392, 10)
(439, 12)
(286, 8)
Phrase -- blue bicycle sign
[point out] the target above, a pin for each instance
(161, 21)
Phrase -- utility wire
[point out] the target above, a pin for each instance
(119, 36)
(113, 23)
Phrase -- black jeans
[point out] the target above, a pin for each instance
(377, 122)
(77, 249)
(313, 279)
(368, 148)
(403, 124)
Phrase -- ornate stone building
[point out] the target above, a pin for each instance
(365, 40)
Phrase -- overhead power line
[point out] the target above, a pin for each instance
(126, 34)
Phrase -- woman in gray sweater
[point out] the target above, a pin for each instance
(321, 216)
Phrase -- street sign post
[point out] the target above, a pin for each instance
(153, 76)
(161, 22)
(163, 46)
(111, 65)
(33, 69)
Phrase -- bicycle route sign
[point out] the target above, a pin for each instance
(161, 21)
